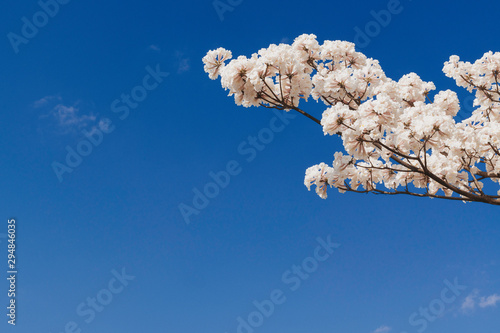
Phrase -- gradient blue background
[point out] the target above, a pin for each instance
(119, 208)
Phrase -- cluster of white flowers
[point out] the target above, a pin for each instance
(393, 133)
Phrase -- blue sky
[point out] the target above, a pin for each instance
(117, 212)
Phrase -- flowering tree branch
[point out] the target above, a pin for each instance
(394, 135)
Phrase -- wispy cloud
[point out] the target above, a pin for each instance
(492, 300)
(469, 302)
(103, 125)
(46, 100)
(63, 117)
(383, 329)
(184, 66)
(68, 116)
(154, 47)
(285, 40)
(183, 63)
(473, 299)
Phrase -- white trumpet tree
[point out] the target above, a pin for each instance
(396, 139)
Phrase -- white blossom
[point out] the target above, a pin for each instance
(398, 138)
